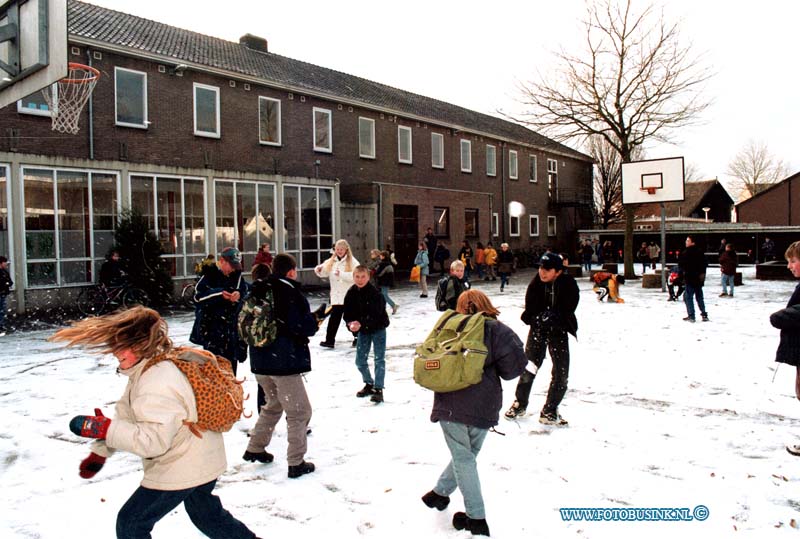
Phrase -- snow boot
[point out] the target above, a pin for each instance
(366, 391)
(262, 457)
(476, 526)
(436, 501)
(377, 396)
(301, 469)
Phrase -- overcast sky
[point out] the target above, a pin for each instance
(473, 53)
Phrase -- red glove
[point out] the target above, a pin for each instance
(91, 465)
(90, 426)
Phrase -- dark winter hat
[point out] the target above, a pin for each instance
(550, 261)
(233, 256)
(620, 279)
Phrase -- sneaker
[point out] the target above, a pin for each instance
(326, 344)
(377, 396)
(552, 419)
(301, 469)
(516, 410)
(423, 295)
(394, 309)
(792, 449)
(366, 391)
(476, 526)
(723, 295)
(263, 457)
(436, 501)
(704, 317)
(689, 319)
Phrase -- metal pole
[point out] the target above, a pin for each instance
(663, 247)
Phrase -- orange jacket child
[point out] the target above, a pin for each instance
(607, 284)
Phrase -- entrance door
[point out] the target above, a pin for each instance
(405, 235)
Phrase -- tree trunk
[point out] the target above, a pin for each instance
(628, 248)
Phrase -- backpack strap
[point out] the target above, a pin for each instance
(464, 322)
(446, 320)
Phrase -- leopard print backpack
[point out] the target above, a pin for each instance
(217, 392)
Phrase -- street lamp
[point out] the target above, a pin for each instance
(706, 209)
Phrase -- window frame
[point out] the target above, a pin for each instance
(552, 225)
(314, 112)
(531, 219)
(372, 134)
(511, 219)
(468, 154)
(515, 174)
(238, 242)
(10, 231)
(495, 225)
(552, 173)
(261, 139)
(493, 162)
(298, 252)
(407, 130)
(441, 150)
(145, 123)
(477, 221)
(208, 134)
(22, 109)
(534, 174)
(436, 220)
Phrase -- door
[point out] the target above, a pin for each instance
(406, 235)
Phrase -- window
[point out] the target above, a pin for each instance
(513, 225)
(366, 138)
(441, 222)
(552, 177)
(551, 225)
(532, 177)
(471, 223)
(130, 98)
(323, 131)
(513, 166)
(206, 110)
(437, 150)
(70, 217)
(36, 103)
(308, 224)
(495, 224)
(269, 121)
(5, 233)
(534, 224)
(175, 210)
(404, 144)
(245, 216)
(491, 160)
(466, 155)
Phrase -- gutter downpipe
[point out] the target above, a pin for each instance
(503, 189)
(90, 112)
(380, 216)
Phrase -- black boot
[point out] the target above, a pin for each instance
(366, 391)
(436, 501)
(263, 457)
(301, 469)
(377, 396)
(476, 526)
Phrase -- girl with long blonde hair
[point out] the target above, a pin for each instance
(338, 269)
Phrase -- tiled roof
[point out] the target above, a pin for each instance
(89, 22)
(694, 192)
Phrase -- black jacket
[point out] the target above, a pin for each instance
(289, 353)
(384, 273)
(5, 282)
(560, 296)
(216, 318)
(788, 321)
(479, 405)
(693, 263)
(367, 306)
(111, 273)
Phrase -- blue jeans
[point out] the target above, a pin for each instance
(688, 297)
(378, 340)
(385, 292)
(503, 279)
(464, 443)
(147, 506)
(3, 304)
(727, 280)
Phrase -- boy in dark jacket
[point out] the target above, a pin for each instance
(788, 321)
(550, 304)
(5, 288)
(279, 366)
(728, 261)
(451, 287)
(693, 264)
(365, 314)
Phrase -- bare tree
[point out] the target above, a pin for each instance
(691, 173)
(635, 81)
(608, 180)
(754, 169)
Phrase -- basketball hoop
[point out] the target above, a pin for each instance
(71, 94)
(650, 190)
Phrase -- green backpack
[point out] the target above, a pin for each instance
(257, 325)
(453, 355)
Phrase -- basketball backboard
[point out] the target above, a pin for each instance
(33, 46)
(654, 180)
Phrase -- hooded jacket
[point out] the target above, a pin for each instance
(560, 295)
(788, 321)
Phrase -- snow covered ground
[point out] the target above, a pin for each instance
(662, 413)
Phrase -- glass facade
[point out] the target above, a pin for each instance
(245, 217)
(308, 224)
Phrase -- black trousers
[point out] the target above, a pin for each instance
(539, 341)
(334, 319)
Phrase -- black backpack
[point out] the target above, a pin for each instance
(441, 294)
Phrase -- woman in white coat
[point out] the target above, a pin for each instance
(338, 269)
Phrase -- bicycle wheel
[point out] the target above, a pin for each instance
(135, 296)
(187, 295)
(91, 301)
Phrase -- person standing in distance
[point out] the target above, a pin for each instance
(693, 264)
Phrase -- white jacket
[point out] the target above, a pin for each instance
(340, 283)
(149, 423)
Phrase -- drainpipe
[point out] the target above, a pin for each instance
(380, 216)
(90, 110)
(503, 189)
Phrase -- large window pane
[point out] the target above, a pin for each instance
(42, 273)
(269, 121)
(247, 219)
(266, 214)
(142, 197)
(366, 137)
(73, 214)
(5, 248)
(225, 217)
(104, 211)
(76, 272)
(170, 213)
(195, 219)
(131, 97)
(441, 222)
(290, 218)
(40, 226)
(206, 110)
(322, 130)
(437, 150)
(308, 203)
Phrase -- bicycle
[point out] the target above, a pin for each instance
(187, 294)
(98, 299)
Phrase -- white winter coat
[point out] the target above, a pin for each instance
(340, 283)
(149, 422)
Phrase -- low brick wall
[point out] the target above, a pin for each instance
(773, 271)
(651, 280)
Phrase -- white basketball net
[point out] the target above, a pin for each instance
(71, 94)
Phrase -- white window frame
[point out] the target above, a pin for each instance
(513, 165)
(314, 112)
(407, 130)
(551, 225)
(280, 120)
(511, 219)
(534, 230)
(144, 123)
(10, 255)
(298, 252)
(534, 174)
(468, 155)
(491, 165)
(372, 135)
(235, 184)
(22, 109)
(437, 138)
(552, 173)
(197, 86)
(495, 224)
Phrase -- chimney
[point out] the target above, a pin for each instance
(254, 43)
